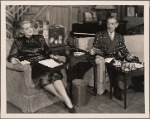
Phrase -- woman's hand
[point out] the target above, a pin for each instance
(15, 60)
(61, 58)
(58, 57)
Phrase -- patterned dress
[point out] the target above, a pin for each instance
(34, 49)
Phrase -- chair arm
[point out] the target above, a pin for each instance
(16, 67)
(22, 68)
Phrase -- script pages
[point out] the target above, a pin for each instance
(50, 63)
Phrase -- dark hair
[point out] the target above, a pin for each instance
(112, 17)
(24, 22)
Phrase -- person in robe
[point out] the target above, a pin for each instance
(109, 44)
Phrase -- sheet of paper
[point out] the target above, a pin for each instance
(108, 60)
(50, 63)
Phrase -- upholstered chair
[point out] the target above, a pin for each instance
(21, 90)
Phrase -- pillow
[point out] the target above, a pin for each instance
(85, 43)
(135, 45)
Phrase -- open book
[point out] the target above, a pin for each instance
(50, 63)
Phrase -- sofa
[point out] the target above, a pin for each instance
(134, 43)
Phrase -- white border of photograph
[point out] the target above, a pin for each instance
(4, 114)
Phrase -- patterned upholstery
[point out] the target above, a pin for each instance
(20, 88)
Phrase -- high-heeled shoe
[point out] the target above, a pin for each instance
(71, 110)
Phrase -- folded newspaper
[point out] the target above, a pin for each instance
(108, 60)
(50, 63)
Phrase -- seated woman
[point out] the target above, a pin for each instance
(33, 48)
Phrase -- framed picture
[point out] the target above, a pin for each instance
(90, 17)
(130, 11)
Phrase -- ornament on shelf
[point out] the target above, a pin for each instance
(56, 41)
(60, 39)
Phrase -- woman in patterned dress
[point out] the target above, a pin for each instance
(33, 48)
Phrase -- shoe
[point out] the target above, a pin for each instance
(71, 110)
(117, 94)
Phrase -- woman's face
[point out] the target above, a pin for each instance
(27, 29)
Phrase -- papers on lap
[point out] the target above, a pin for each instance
(50, 63)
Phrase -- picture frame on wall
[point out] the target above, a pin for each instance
(130, 11)
(90, 17)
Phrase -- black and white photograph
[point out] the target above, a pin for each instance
(62, 59)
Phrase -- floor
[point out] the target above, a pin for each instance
(96, 104)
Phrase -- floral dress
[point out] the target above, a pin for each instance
(34, 49)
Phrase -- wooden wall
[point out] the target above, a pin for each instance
(66, 15)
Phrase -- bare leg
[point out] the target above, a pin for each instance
(61, 90)
(51, 88)
(64, 77)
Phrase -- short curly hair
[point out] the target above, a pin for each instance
(24, 22)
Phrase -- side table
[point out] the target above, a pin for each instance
(113, 69)
(73, 60)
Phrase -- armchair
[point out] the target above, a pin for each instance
(21, 90)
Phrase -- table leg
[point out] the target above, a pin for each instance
(95, 79)
(111, 80)
(70, 81)
(125, 91)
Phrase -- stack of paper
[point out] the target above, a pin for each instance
(50, 63)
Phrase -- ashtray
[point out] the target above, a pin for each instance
(78, 53)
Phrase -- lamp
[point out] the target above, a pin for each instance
(105, 7)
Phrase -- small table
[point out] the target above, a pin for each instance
(111, 69)
(73, 60)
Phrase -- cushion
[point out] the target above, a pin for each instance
(85, 43)
(135, 45)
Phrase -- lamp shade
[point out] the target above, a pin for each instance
(105, 7)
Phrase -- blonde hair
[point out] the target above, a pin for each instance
(21, 23)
